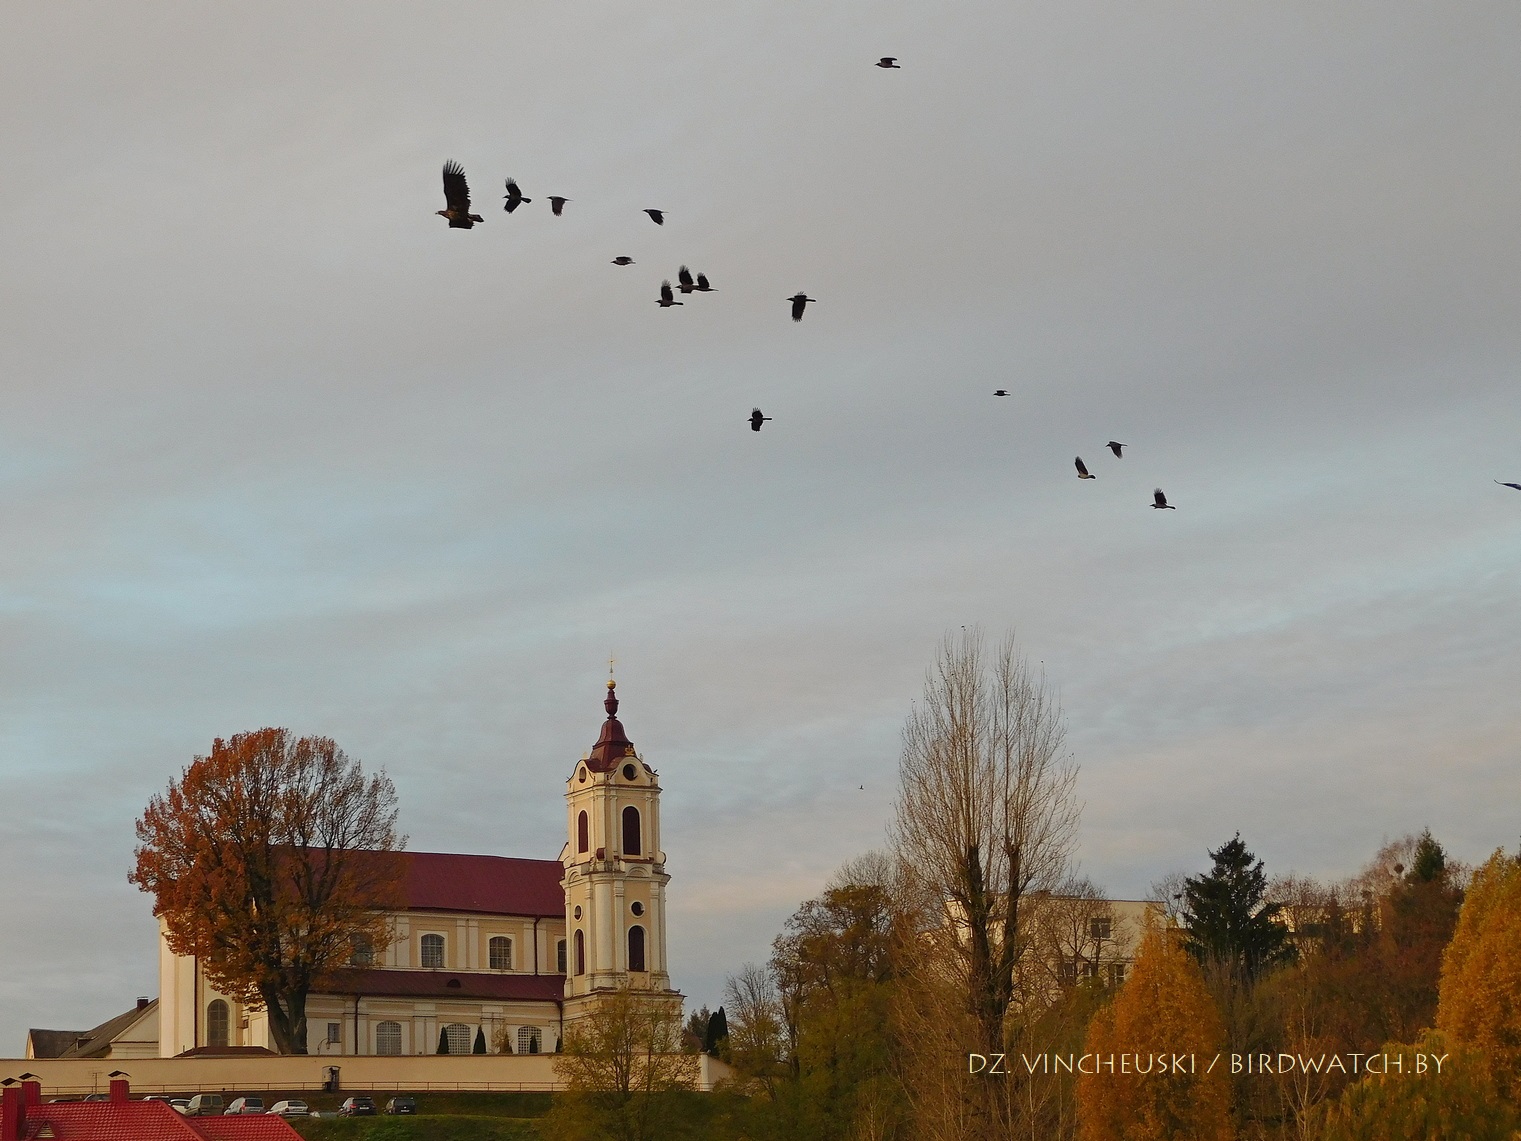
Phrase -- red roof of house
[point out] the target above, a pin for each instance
(494, 885)
(253, 1127)
(147, 1121)
(436, 984)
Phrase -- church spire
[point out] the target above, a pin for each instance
(613, 745)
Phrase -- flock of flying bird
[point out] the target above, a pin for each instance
(457, 211)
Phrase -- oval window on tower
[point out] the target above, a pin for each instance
(636, 907)
(578, 911)
(629, 772)
(581, 776)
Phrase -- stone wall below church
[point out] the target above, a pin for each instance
(237, 1075)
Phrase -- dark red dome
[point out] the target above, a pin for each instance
(613, 745)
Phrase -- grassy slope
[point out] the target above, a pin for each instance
(455, 1127)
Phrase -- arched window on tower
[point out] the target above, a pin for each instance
(636, 948)
(580, 953)
(631, 846)
(217, 1023)
(583, 834)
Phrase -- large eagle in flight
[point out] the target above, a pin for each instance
(457, 195)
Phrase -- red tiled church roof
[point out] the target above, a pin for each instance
(146, 1121)
(436, 984)
(493, 885)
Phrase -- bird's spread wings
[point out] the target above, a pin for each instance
(456, 190)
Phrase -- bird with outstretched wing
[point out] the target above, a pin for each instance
(457, 195)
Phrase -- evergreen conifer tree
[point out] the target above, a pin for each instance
(717, 1031)
(1226, 918)
(1430, 861)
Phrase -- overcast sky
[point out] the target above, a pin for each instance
(278, 447)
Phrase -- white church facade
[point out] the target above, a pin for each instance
(490, 954)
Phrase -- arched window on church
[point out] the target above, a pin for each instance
(530, 1039)
(631, 844)
(217, 1023)
(500, 949)
(456, 1039)
(583, 834)
(636, 948)
(433, 951)
(388, 1038)
(580, 952)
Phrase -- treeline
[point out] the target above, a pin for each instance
(968, 937)
(834, 1036)
(962, 985)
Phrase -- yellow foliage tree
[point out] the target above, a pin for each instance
(1163, 1011)
(1417, 1102)
(1480, 999)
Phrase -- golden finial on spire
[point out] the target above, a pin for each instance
(610, 682)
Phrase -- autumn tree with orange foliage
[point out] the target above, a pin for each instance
(1480, 1004)
(1164, 1009)
(271, 861)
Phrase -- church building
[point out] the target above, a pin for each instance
(491, 954)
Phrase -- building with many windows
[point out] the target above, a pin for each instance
(491, 954)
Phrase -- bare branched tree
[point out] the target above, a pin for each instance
(621, 1063)
(761, 1043)
(986, 817)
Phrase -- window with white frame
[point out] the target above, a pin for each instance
(388, 1038)
(500, 953)
(334, 1033)
(457, 1038)
(530, 1040)
(560, 955)
(1099, 927)
(433, 951)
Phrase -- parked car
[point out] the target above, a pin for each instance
(246, 1105)
(180, 1105)
(205, 1105)
(357, 1107)
(292, 1108)
(97, 1097)
(400, 1105)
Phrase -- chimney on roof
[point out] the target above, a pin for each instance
(120, 1091)
(12, 1113)
(31, 1089)
(142, 1001)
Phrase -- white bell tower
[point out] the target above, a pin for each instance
(615, 876)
